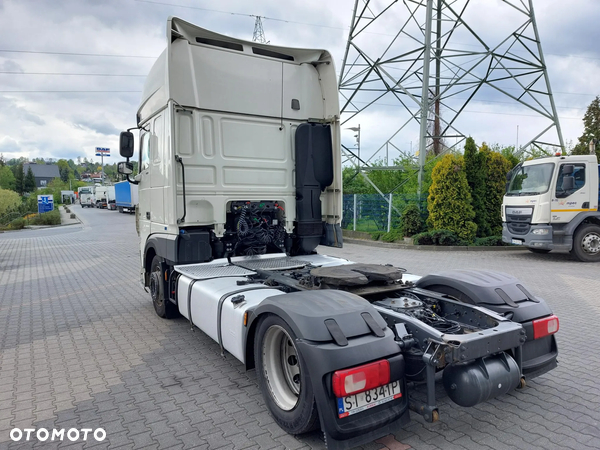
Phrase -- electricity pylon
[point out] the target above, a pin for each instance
(423, 61)
(259, 32)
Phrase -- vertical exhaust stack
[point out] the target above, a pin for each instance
(314, 172)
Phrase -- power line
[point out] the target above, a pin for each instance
(241, 14)
(74, 54)
(246, 15)
(77, 74)
(514, 114)
(195, 7)
(321, 25)
(70, 92)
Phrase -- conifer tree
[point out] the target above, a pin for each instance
(475, 169)
(591, 129)
(29, 181)
(449, 201)
(18, 169)
(497, 168)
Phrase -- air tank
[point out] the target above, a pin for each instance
(470, 383)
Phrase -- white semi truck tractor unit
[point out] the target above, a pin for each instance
(552, 204)
(87, 196)
(239, 182)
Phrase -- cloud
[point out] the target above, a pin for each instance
(10, 66)
(10, 107)
(101, 126)
(64, 105)
(9, 145)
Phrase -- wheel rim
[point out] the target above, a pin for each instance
(281, 367)
(591, 243)
(155, 288)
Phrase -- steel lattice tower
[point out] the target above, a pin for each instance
(426, 60)
(259, 32)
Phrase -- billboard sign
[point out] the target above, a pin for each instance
(102, 151)
(45, 203)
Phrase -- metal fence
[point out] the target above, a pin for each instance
(373, 212)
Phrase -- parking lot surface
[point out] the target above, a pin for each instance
(81, 347)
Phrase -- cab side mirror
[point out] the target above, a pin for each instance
(126, 144)
(568, 183)
(125, 168)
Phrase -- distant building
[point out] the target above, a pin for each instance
(97, 177)
(43, 173)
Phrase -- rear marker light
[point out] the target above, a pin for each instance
(545, 327)
(361, 378)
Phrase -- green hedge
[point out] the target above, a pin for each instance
(438, 237)
(376, 235)
(447, 237)
(17, 224)
(411, 222)
(392, 236)
(490, 241)
(49, 218)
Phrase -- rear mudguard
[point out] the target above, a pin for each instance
(505, 295)
(361, 336)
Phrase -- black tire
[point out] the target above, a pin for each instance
(163, 307)
(121, 209)
(586, 243)
(290, 399)
(538, 250)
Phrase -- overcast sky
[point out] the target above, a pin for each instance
(72, 70)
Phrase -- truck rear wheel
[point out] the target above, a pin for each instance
(586, 243)
(283, 377)
(163, 306)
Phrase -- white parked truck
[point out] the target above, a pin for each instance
(552, 204)
(105, 197)
(87, 196)
(240, 181)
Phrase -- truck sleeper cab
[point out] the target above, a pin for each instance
(240, 181)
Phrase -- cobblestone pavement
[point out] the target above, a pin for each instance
(81, 347)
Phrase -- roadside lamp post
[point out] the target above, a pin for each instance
(357, 136)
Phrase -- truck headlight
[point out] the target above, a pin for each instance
(541, 231)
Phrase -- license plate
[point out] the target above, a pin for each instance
(362, 401)
(516, 241)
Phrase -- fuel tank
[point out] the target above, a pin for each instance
(468, 384)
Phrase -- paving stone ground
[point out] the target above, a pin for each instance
(81, 347)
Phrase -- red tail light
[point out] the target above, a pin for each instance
(361, 378)
(545, 327)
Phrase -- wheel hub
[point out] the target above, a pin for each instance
(281, 367)
(155, 287)
(591, 243)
